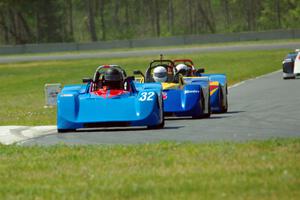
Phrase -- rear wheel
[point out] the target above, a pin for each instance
(224, 108)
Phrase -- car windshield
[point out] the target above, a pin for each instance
(292, 55)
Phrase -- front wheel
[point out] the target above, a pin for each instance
(202, 105)
(159, 126)
(65, 130)
(162, 124)
(207, 115)
(288, 76)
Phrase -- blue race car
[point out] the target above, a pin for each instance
(108, 99)
(180, 98)
(217, 84)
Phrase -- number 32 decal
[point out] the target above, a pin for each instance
(146, 96)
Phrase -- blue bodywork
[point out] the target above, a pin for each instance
(78, 108)
(218, 92)
(190, 99)
(217, 85)
(182, 97)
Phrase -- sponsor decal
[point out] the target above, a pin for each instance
(213, 87)
(146, 96)
(51, 92)
(191, 91)
(167, 86)
(164, 95)
(287, 60)
(67, 95)
(213, 91)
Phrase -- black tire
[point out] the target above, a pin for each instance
(224, 109)
(201, 116)
(65, 130)
(162, 124)
(286, 78)
(159, 126)
(207, 115)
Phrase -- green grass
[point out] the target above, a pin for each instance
(167, 170)
(22, 84)
(252, 170)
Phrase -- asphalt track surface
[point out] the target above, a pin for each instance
(145, 52)
(262, 108)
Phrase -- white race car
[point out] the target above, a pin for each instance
(291, 65)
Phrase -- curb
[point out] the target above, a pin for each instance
(12, 134)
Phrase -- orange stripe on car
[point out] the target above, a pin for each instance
(213, 87)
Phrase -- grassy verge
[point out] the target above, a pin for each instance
(22, 84)
(253, 170)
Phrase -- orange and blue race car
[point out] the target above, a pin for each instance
(217, 84)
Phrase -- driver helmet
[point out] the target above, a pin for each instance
(160, 74)
(182, 67)
(113, 79)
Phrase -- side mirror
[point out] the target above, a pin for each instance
(137, 72)
(87, 80)
(200, 71)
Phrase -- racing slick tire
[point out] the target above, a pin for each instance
(65, 130)
(224, 109)
(202, 104)
(162, 124)
(207, 115)
(286, 78)
(159, 126)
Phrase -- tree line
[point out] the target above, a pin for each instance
(46, 21)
